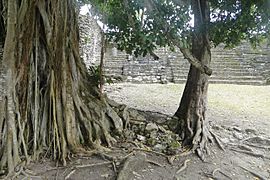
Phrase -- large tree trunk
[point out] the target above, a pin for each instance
(49, 103)
(193, 124)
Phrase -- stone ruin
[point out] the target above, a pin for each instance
(240, 65)
(90, 40)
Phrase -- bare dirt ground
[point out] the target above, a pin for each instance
(239, 115)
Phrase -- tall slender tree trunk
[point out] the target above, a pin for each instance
(101, 65)
(193, 124)
(50, 102)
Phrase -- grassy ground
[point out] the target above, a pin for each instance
(252, 100)
(237, 99)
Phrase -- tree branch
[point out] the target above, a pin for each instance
(186, 52)
(195, 62)
(191, 59)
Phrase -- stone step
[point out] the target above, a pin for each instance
(229, 66)
(259, 78)
(222, 67)
(213, 64)
(181, 69)
(219, 57)
(238, 74)
(224, 63)
(112, 72)
(114, 64)
(241, 82)
(224, 71)
(113, 67)
(178, 63)
(217, 81)
(214, 77)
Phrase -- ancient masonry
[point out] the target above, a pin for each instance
(90, 40)
(241, 65)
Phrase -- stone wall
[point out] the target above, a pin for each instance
(258, 58)
(241, 64)
(142, 69)
(90, 40)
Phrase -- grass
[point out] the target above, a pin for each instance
(254, 100)
(239, 99)
(235, 99)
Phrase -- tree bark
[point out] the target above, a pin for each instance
(51, 105)
(193, 125)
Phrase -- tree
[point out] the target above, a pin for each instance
(238, 21)
(192, 110)
(139, 27)
(51, 106)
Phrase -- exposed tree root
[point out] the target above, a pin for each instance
(172, 158)
(214, 171)
(250, 153)
(221, 172)
(105, 156)
(257, 141)
(91, 165)
(29, 176)
(22, 172)
(69, 174)
(154, 163)
(257, 146)
(114, 166)
(183, 167)
(218, 141)
(244, 147)
(261, 177)
(75, 167)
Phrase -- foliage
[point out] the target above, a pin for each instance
(94, 72)
(140, 26)
(234, 20)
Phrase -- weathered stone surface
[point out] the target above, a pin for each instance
(151, 127)
(240, 65)
(90, 40)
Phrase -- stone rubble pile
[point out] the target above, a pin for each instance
(146, 132)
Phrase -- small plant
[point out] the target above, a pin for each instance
(95, 75)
